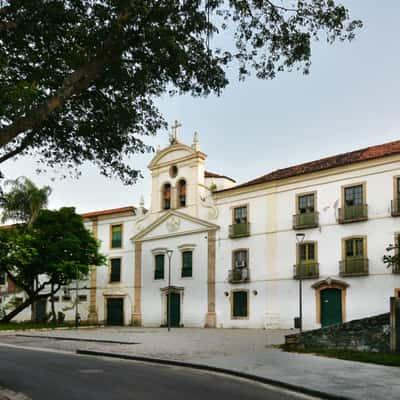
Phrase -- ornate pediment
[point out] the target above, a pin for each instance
(174, 153)
(174, 223)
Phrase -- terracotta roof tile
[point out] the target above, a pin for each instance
(208, 174)
(107, 212)
(366, 154)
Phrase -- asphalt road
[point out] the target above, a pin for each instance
(55, 376)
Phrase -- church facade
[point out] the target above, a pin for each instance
(225, 255)
(237, 254)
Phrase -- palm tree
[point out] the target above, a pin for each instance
(23, 203)
(24, 200)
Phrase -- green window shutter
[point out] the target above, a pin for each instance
(2, 278)
(115, 275)
(116, 238)
(187, 264)
(159, 270)
(240, 304)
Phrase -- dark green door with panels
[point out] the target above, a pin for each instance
(115, 311)
(331, 307)
(175, 309)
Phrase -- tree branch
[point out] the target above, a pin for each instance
(7, 26)
(24, 144)
(74, 84)
(281, 7)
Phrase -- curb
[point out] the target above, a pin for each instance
(204, 367)
(74, 339)
(6, 332)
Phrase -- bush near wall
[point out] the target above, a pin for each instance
(367, 334)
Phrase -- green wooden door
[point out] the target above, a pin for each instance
(331, 307)
(41, 315)
(115, 311)
(175, 309)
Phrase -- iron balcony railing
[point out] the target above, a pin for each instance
(306, 220)
(354, 267)
(354, 213)
(238, 275)
(308, 270)
(239, 230)
(396, 208)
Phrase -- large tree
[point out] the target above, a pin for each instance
(78, 78)
(53, 251)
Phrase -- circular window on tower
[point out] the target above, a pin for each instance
(173, 171)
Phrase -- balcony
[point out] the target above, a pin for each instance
(306, 220)
(239, 230)
(396, 208)
(354, 213)
(309, 270)
(354, 267)
(238, 275)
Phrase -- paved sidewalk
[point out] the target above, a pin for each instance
(247, 351)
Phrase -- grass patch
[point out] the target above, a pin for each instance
(390, 359)
(21, 326)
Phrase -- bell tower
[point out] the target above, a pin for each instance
(177, 175)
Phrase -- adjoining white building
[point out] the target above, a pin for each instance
(236, 259)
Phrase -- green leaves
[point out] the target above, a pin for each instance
(23, 201)
(56, 249)
(78, 78)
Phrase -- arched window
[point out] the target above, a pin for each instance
(167, 196)
(182, 193)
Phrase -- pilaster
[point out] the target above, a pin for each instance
(211, 316)
(137, 307)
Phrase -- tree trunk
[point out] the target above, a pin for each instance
(7, 318)
(53, 308)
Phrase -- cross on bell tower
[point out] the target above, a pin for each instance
(173, 138)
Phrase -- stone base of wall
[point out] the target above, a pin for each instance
(367, 334)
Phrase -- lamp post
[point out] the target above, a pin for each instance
(169, 254)
(300, 239)
(76, 297)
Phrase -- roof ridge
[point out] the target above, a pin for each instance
(329, 162)
(108, 211)
(209, 174)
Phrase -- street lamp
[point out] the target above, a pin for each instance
(77, 317)
(300, 239)
(169, 254)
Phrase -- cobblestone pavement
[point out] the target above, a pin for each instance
(179, 344)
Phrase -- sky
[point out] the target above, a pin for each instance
(349, 101)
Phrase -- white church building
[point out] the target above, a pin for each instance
(238, 253)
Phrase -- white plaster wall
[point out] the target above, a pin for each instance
(125, 288)
(272, 247)
(194, 304)
(220, 183)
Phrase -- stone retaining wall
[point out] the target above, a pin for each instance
(368, 334)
